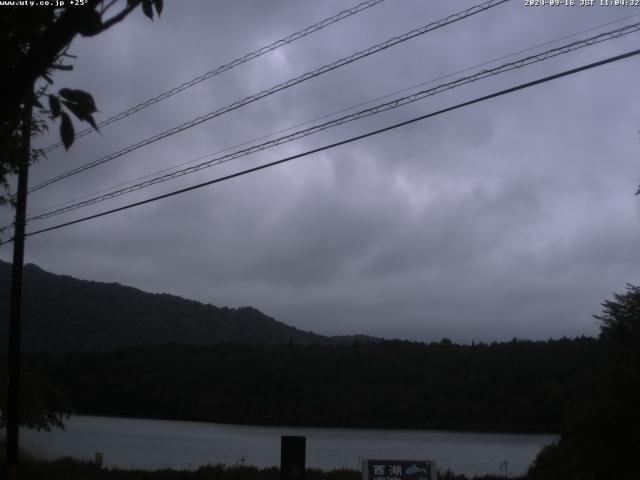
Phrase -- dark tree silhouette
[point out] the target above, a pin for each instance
(43, 406)
(34, 43)
(602, 439)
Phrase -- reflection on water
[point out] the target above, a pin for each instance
(151, 444)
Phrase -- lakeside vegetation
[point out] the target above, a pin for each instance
(67, 468)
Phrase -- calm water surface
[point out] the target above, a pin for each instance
(152, 444)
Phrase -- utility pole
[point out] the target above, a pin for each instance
(15, 313)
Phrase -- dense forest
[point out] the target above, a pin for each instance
(514, 386)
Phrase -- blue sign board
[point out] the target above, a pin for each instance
(398, 470)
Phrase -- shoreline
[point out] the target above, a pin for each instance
(150, 444)
(329, 427)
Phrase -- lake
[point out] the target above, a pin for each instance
(153, 444)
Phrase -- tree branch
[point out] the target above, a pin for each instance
(108, 6)
(116, 18)
(45, 50)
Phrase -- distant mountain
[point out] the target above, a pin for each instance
(63, 314)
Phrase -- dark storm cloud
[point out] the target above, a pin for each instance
(515, 217)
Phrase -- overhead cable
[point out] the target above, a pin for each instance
(276, 88)
(521, 86)
(228, 66)
(552, 53)
(322, 117)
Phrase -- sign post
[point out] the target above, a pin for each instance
(398, 470)
(293, 458)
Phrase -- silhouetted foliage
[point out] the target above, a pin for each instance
(42, 405)
(67, 468)
(602, 437)
(34, 43)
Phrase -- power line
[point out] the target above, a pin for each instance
(281, 86)
(552, 53)
(34, 213)
(223, 68)
(387, 106)
(349, 140)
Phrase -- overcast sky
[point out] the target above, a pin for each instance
(515, 217)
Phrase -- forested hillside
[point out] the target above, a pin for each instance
(62, 314)
(519, 385)
(116, 350)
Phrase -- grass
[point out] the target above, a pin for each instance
(72, 469)
(34, 468)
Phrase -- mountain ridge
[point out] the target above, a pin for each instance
(63, 314)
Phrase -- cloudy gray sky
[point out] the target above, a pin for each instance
(515, 217)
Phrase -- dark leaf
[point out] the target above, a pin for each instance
(159, 5)
(37, 103)
(81, 98)
(54, 106)
(92, 122)
(82, 112)
(147, 8)
(66, 130)
(67, 93)
(76, 109)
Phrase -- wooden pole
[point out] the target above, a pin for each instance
(15, 313)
